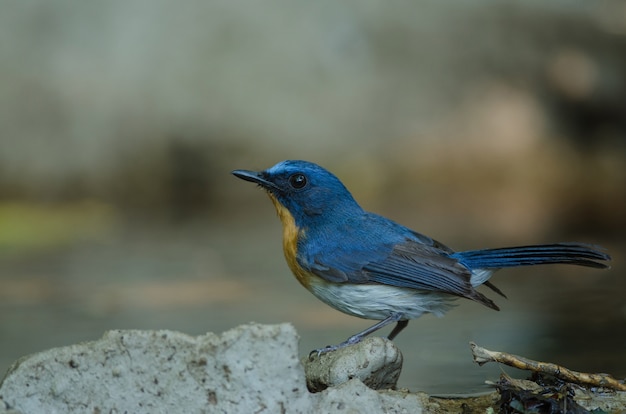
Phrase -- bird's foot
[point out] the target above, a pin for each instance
(322, 351)
(330, 348)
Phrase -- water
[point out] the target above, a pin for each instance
(215, 275)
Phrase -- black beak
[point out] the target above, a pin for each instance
(255, 177)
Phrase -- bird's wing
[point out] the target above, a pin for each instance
(407, 264)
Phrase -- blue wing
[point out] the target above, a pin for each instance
(376, 250)
(373, 249)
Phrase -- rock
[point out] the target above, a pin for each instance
(5, 410)
(251, 368)
(355, 397)
(163, 371)
(375, 361)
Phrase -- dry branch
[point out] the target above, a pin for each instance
(482, 356)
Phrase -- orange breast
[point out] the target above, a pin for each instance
(291, 235)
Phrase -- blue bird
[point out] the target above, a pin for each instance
(368, 266)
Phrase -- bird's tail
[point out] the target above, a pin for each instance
(579, 254)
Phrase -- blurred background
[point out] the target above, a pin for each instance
(482, 124)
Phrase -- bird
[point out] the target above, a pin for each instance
(371, 267)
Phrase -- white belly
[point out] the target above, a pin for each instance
(379, 301)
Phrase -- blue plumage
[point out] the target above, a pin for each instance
(369, 266)
(561, 253)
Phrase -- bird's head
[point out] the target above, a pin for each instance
(306, 190)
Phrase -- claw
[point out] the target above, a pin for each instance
(330, 348)
(355, 339)
(322, 351)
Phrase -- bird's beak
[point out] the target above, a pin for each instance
(255, 177)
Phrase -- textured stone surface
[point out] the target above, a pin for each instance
(376, 361)
(251, 368)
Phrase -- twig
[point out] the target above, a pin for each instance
(482, 356)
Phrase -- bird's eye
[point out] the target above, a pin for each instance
(297, 181)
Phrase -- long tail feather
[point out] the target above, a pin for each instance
(579, 254)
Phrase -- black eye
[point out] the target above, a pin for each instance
(297, 181)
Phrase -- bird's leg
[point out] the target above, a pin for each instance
(355, 339)
(397, 329)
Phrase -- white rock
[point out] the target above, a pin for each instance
(376, 361)
(251, 368)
